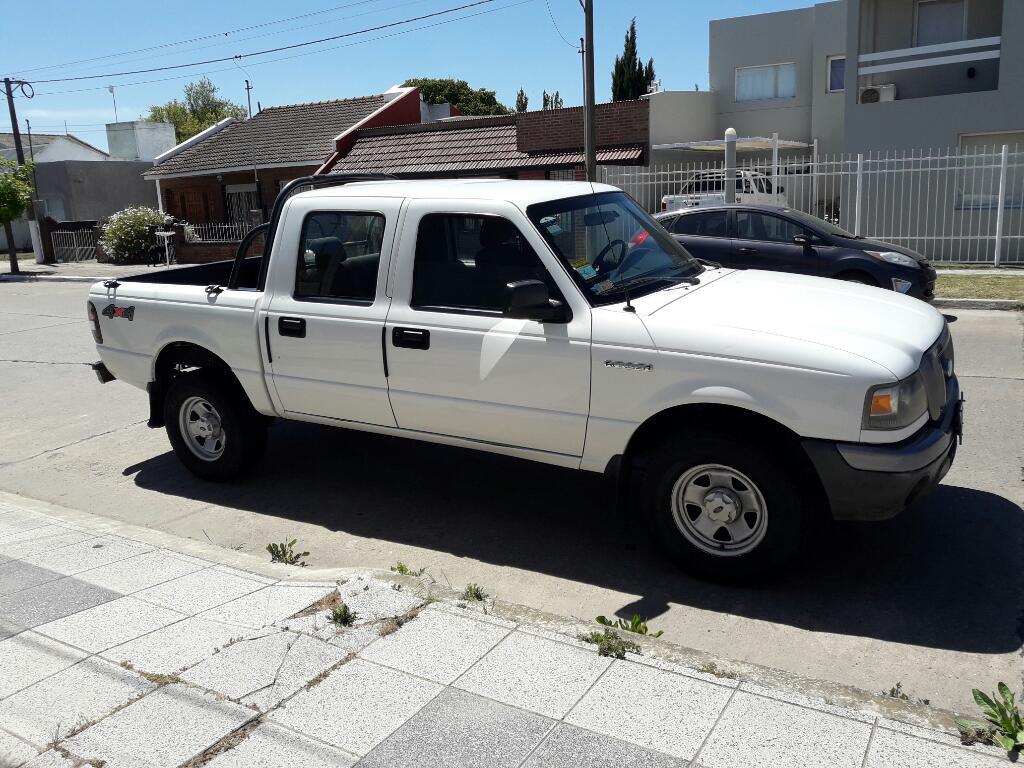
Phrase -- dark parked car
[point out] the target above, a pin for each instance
(784, 240)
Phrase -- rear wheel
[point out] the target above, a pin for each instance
(727, 510)
(213, 432)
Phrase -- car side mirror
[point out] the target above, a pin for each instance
(803, 240)
(530, 300)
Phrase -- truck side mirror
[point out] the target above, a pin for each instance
(530, 300)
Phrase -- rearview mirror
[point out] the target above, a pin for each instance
(600, 217)
(530, 300)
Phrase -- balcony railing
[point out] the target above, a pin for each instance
(964, 66)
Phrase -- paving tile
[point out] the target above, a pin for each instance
(270, 746)
(16, 575)
(571, 747)
(680, 669)
(890, 749)
(469, 612)
(199, 591)
(254, 664)
(37, 540)
(197, 561)
(244, 574)
(104, 626)
(137, 573)
(14, 751)
(161, 730)
(930, 734)
(29, 657)
(374, 600)
(67, 700)
(319, 625)
(50, 759)
(175, 647)
(91, 553)
(268, 605)
(461, 729)
(52, 600)
(438, 646)
(534, 673)
(759, 731)
(658, 710)
(339, 711)
(13, 525)
(807, 701)
(9, 628)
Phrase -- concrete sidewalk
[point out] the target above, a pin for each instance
(76, 271)
(130, 650)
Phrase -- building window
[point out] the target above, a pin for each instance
(775, 81)
(239, 199)
(940, 21)
(567, 174)
(836, 74)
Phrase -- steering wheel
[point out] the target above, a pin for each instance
(598, 263)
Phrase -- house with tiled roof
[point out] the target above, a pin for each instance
(236, 166)
(547, 144)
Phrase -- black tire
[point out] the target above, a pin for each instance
(787, 517)
(244, 431)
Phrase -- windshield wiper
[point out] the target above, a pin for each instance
(641, 280)
(712, 264)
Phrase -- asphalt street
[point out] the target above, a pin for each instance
(933, 599)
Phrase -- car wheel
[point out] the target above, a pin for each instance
(727, 510)
(214, 434)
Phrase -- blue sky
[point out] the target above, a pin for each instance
(502, 45)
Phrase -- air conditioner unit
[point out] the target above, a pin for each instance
(872, 94)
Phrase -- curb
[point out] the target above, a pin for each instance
(1009, 305)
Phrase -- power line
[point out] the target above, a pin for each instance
(295, 56)
(269, 50)
(200, 38)
(555, 25)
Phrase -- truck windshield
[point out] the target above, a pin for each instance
(606, 240)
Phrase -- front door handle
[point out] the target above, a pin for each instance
(748, 250)
(410, 338)
(292, 326)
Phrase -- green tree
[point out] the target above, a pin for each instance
(458, 92)
(200, 109)
(553, 100)
(15, 197)
(631, 79)
(522, 101)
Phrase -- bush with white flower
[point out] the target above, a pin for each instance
(127, 235)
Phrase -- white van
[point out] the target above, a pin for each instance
(708, 188)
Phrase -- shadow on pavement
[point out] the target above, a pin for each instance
(942, 575)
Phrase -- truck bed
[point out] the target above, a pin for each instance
(214, 273)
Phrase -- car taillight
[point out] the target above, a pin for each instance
(94, 318)
(639, 237)
(664, 205)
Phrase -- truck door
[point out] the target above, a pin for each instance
(325, 319)
(458, 367)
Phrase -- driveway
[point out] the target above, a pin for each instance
(932, 599)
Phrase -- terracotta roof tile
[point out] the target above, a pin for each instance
(296, 133)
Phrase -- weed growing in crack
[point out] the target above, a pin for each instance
(710, 668)
(395, 623)
(405, 570)
(1003, 724)
(897, 692)
(474, 592)
(636, 625)
(285, 553)
(609, 643)
(342, 615)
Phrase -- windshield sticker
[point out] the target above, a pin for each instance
(587, 272)
(603, 287)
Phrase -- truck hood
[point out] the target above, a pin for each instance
(789, 319)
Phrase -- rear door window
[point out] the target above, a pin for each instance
(339, 256)
(707, 224)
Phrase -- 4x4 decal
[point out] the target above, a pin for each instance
(112, 311)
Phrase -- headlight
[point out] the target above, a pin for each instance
(894, 258)
(895, 406)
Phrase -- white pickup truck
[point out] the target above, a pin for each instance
(553, 321)
(705, 188)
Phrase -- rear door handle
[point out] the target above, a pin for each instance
(410, 338)
(292, 326)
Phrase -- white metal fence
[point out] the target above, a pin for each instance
(74, 245)
(231, 232)
(963, 205)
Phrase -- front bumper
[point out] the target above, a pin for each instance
(919, 283)
(866, 481)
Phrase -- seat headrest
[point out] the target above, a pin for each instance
(496, 231)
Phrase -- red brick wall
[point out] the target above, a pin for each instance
(202, 253)
(616, 124)
(200, 199)
(541, 174)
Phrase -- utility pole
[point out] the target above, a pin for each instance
(589, 133)
(9, 90)
(248, 96)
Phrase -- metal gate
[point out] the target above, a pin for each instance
(74, 244)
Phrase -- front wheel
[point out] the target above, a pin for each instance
(727, 510)
(214, 434)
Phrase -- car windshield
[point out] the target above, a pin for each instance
(607, 240)
(819, 224)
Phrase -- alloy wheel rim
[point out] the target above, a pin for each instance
(202, 428)
(719, 510)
